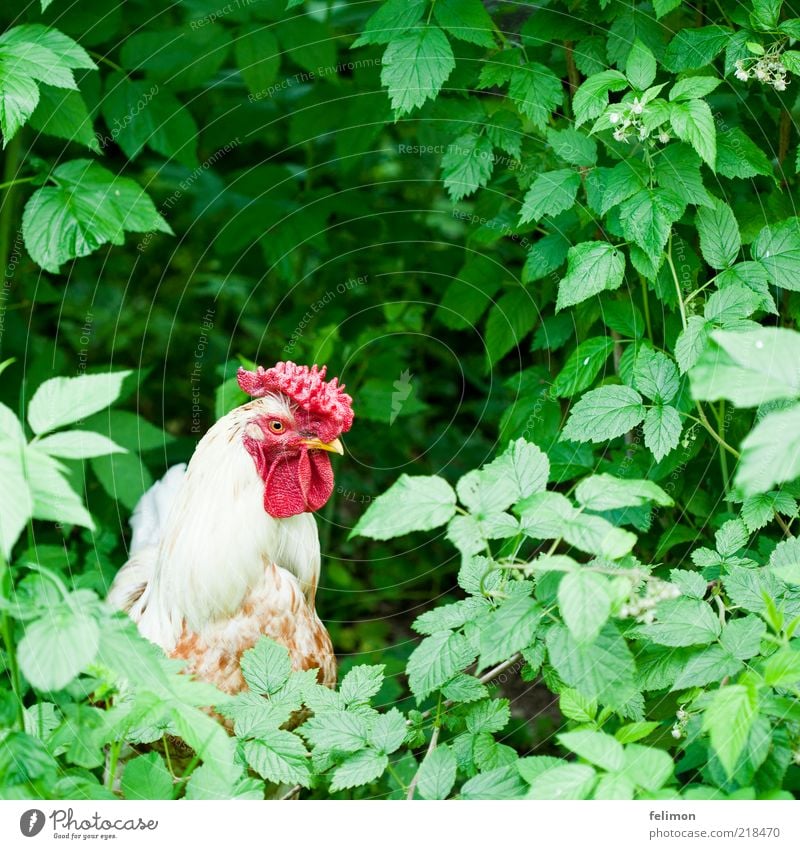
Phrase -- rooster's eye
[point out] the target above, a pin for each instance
(276, 426)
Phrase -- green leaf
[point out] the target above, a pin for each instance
(655, 375)
(124, 477)
(691, 343)
(640, 66)
(691, 584)
(437, 774)
(266, 666)
(591, 98)
(573, 146)
(64, 400)
(508, 629)
(783, 668)
(592, 267)
(57, 648)
(336, 731)
(729, 305)
(742, 637)
(683, 622)
(738, 156)
(258, 57)
(576, 706)
(501, 783)
(584, 603)
(465, 19)
(392, 19)
(435, 660)
(53, 497)
(581, 367)
(418, 503)
(662, 430)
(693, 122)
(664, 7)
(748, 367)
(16, 501)
(77, 444)
(719, 234)
(361, 683)
(88, 207)
(759, 510)
(537, 92)
(606, 492)
(770, 452)
(467, 165)
(677, 170)
(360, 768)
(705, 666)
(512, 317)
(596, 747)
(62, 113)
(604, 413)
(647, 219)
(279, 756)
(147, 777)
(138, 113)
(566, 781)
(647, 767)
(29, 55)
(551, 193)
(601, 670)
(728, 719)
(777, 248)
(695, 48)
(415, 66)
(465, 689)
(518, 472)
(692, 87)
(387, 731)
(489, 715)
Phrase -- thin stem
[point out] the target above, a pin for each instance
(6, 584)
(17, 182)
(717, 438)
(723, 457)
(113, 757)
(431, 746)
(288, 795)
(501, 667)
(110, 62)
(646, 306)
(13, 155)
(676, 281)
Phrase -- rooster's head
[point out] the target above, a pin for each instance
(295, 423)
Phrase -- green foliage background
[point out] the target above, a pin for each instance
(553, 251)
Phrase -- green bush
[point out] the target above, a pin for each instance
(554, 253)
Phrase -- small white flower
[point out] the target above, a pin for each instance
(643, 133)
(677, 733)
(742, 75)
(779, 85)
(663, 137)
(619, 135)
(614, 117)
(761, 73)
(637, 108)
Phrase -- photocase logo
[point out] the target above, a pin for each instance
(402, 389)
(31, 822)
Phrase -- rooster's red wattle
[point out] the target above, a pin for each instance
(226, 549)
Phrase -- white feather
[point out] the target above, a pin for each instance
(203, 541)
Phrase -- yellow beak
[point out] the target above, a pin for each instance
(336, 446)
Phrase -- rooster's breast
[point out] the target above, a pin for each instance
(277, 608)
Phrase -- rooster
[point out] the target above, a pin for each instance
(226, 550)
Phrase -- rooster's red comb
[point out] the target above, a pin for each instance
(305, 386)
